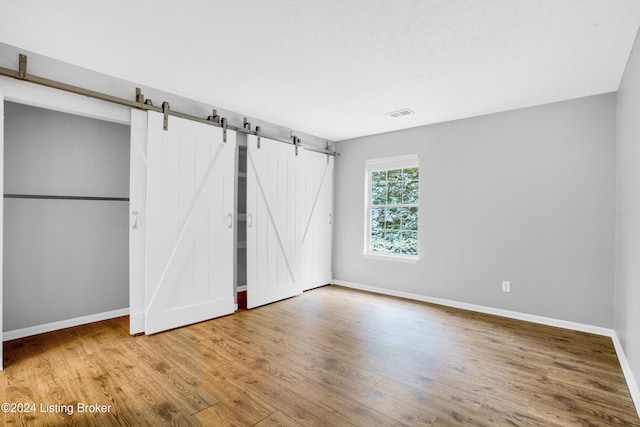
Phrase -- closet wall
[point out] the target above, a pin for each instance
(241, 222)
(63, 259)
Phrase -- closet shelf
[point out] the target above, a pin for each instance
(52, 197)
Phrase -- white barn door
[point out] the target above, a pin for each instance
(318, 216)
(274, 221)
(137, 219)
(189, 223)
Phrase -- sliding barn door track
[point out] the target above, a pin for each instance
(140, 103)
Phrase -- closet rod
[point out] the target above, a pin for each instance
(139, 103)
(47, 197)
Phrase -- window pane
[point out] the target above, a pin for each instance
(394, 186)
(394, 175)
(394, 218)
(394, 195)
(410, 193)
(410, 242)
(394, 228)
(379, 188)
(378, 243)
(411, 174)
(393, 242)
(409, 219)
(377, 219)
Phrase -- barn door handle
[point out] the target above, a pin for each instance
(230, 220)
(330, 218)
(135, 220)
(249, 220)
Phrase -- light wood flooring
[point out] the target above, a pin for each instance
(330, 357)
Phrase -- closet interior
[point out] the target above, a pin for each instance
(66, 189)
(241, 223)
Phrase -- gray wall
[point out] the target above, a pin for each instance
(526, 196)
(62, 258)
(627, 292)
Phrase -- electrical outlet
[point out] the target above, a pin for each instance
(506, 286)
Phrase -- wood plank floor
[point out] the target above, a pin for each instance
(330, 357)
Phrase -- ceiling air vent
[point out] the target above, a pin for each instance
(400, 113)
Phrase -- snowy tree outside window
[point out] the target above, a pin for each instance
(392, 206)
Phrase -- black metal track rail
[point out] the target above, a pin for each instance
(140, 103)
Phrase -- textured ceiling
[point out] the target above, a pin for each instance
(333, 68)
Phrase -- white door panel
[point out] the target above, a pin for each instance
(317, 237)
(189, 237)
(274, 221)
(137, 219)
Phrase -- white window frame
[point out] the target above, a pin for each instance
(375, 165)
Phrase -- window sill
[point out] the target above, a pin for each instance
(391, 257)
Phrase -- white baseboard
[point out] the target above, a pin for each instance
(628, 374)
(597, 330)
(54, 326)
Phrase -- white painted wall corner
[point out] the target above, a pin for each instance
(626, 370)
